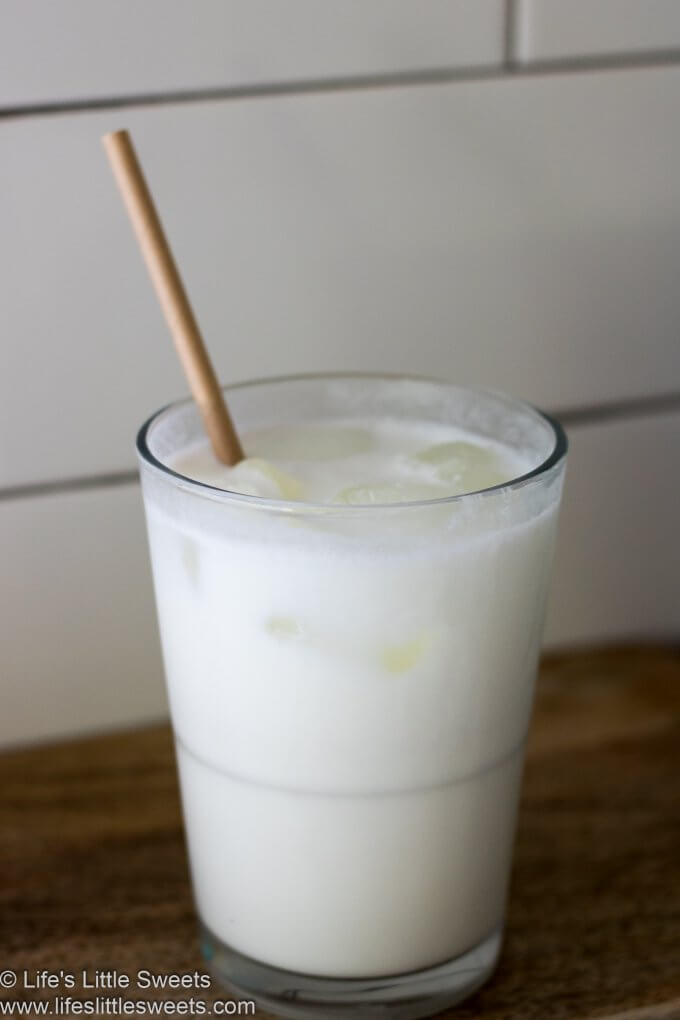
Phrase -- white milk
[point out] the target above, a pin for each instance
(351, 714)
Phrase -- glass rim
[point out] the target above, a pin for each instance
(217, 494)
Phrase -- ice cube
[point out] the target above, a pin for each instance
(257, 477)
(443, 453)
(190, 559)
(389, 492)
(404, 656)
(466, 467)
(310, 442)
(286, 628)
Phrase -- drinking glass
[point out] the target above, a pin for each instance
(350, 691)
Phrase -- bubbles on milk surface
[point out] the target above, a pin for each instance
(387, 492)
(355, 463)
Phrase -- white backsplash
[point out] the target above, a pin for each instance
(477, 215)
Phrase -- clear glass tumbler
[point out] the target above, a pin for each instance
(350, 690)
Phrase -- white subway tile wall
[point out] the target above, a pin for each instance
(563, 29)
(78, 635)
(517, 229)
(486, 231)
(77, 49)
(617, 564)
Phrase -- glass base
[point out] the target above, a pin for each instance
(401, 997)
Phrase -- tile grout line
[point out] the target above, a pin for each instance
(509, 69)
(511, 15)
(576, 416)
(633, 407)
(81, 483)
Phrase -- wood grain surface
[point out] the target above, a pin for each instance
(94, 875)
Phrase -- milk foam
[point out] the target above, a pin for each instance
(357, 462)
